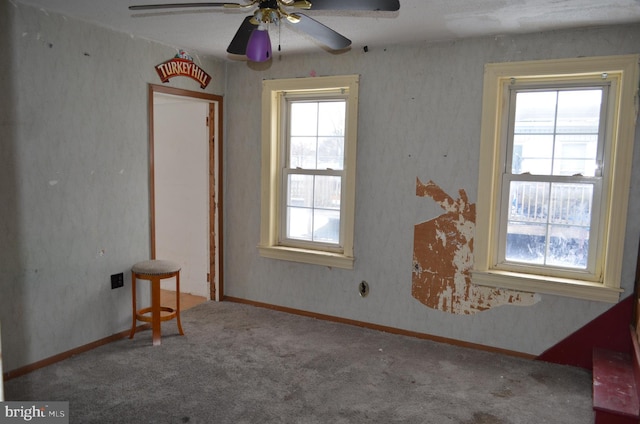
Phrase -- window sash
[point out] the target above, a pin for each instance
(529, 88)
(545, 223)
(284, 239)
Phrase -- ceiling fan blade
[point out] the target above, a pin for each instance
(239, 43)
(180, 5)
(322, 33)
(382, 5)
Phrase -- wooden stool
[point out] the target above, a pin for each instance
(154, 271)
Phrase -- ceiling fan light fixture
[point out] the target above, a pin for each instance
(259, 46)
(293, 18)
(303, 4)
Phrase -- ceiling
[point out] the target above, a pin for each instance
(209, 30)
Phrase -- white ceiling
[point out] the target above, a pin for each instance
(209, 31)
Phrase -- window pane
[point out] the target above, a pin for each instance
(526, 243)
(535, 112)
(576, 154)
(526, 226)
(326, 226)
(302, 152)
(529, 201)
(532, 154)
(331, 153)
(579, 111)
(571, 204)
(331, 118)
(568, 246)
(327, 192)
(299, 223)
(304, 119)
(300, 190)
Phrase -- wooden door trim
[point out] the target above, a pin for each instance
(215, 173)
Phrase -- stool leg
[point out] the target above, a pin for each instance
(135, 306)
(155, 310)
(178, 303)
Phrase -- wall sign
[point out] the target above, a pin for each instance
(182, 65)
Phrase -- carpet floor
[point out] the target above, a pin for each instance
(243, 364)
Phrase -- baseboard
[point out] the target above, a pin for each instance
(392, 330)
(64, 355)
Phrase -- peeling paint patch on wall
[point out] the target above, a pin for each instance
(443, 258)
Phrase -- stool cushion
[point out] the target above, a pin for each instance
(155, 267)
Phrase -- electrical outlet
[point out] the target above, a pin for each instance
(117, 280)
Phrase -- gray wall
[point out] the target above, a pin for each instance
(420, 112)
(73, 132)
(74, 177)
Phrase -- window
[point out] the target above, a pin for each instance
(556, 147)
(313, 172)
(309, 130)
(552, 179)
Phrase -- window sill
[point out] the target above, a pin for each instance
(315, 257)
(548, 285)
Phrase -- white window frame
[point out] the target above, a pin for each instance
(273, 156)
(604, 283)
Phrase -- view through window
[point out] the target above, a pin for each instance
(314, 170)
(553, 175)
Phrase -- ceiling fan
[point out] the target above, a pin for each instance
(252, 38)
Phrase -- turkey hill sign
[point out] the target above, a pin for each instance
(182, 65)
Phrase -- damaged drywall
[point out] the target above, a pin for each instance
(443, 258)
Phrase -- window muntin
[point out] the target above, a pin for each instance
(552, 180)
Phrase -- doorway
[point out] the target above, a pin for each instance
(185, 147)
